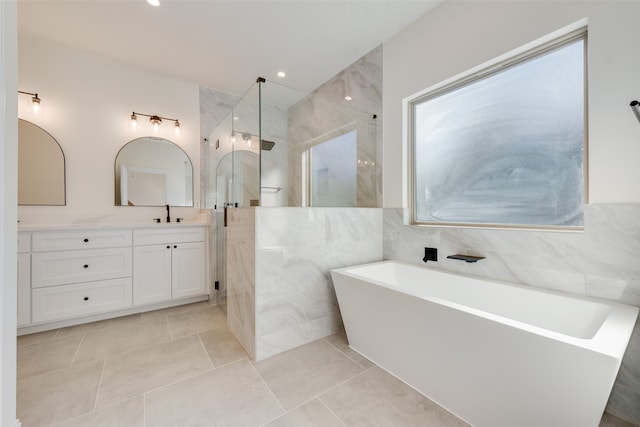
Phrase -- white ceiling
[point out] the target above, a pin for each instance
(225, 44)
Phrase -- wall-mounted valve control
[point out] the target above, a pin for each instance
(430, 254)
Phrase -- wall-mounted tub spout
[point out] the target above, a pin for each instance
(466, 258)
(635, 107)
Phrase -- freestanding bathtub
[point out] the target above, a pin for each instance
(494, 354)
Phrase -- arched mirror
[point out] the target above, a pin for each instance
(41, 175)
(153, 171)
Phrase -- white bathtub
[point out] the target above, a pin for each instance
(494, 354)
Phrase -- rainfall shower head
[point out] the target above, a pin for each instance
(266, 145)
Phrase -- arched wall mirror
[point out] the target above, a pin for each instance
(153, 171)
(41, 167)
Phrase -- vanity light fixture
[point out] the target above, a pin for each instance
(155, 120)
(35, 101)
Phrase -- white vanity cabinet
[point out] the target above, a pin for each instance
(168, 264)
(79, 273)
(24, 279)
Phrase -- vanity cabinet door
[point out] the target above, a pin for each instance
(188, 269)
(151, 274)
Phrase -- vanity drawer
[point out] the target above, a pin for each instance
(24, 243)
(58, 268)
(86, 239)
(168, 235)
(80, 299)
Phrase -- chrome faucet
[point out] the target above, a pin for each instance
(168, 213)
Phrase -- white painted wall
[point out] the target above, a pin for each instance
(8, 200)
(87, 101)
(459, 35)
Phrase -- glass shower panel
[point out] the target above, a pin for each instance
(246, 149)
(275, 161)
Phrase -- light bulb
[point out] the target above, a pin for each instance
(134, 121)
(281, 74)
(35, 102)
(155, 121)
(154, 2)
(348, 98)
(177, 127)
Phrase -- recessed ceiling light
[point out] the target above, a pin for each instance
(154, 2)
(348, 98)
(281, 74)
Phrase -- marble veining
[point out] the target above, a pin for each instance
(282, 296)
(599, 262)
(333, 116)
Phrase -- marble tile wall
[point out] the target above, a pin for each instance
(332, 116)
(240, 273)
(600, 262)
(296, 248)
(280, 294)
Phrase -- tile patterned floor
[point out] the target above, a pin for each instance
(183, 367)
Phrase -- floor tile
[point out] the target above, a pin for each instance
(164, 312)
(376, 398)
(125, 414)
(100, 324)
(48, 356)
(311, 414)
(139, 371)
(609, 420)
(36, 338)
(339, 340)
(196, 321)
(231, 396)
(59, 395)
(222, 346)
(119, 339)
(305, 372)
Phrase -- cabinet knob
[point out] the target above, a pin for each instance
(168, 247)
(86, 266)
(86, 240)
(175, 246)
(86, 298)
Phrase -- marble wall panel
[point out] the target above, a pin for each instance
(601, 262)
(296, 248)
(332, 116)
(240, 272)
